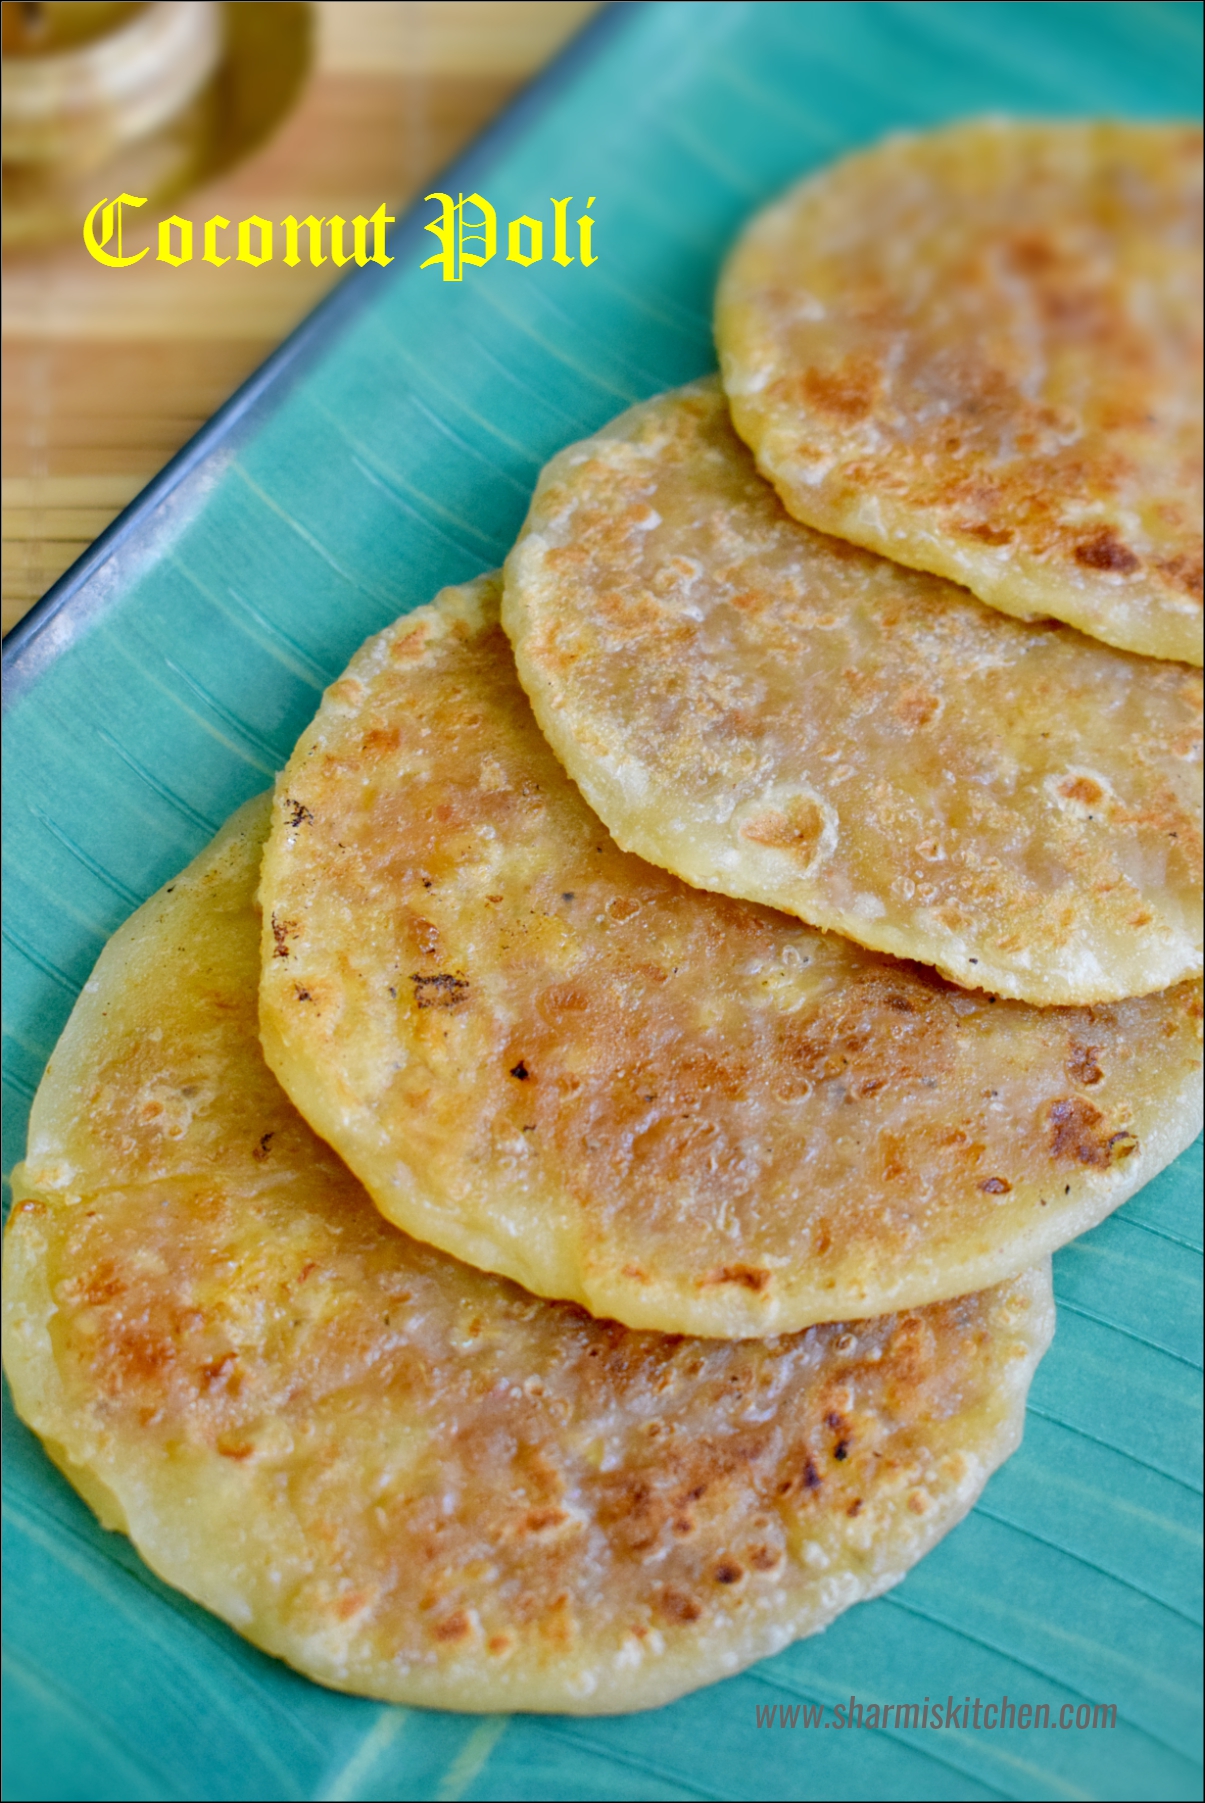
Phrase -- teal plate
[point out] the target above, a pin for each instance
(390, 447)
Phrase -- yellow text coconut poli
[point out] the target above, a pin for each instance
(403, 1476)
(776, 714)
(689, 1113)
(979, 352)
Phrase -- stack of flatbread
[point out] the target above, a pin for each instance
(557, 1202)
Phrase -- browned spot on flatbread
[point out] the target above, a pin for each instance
(848, 391)
(796, 830)
(679, 1607)
(1105, 551)
(379, 741)
(1079, 1131)
(745, 1275)
(1082, 788)
(281, 932)
(444, 991)
(1083, 1064)
(916, 707)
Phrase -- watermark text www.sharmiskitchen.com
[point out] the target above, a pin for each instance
(967, 1712)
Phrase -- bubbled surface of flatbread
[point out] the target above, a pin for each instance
(689, 1113)
(406, 1477)
(779, 715)
(979, 352)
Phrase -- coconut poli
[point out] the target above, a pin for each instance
(563, 1064)
(407, 1478)
(773, 713)
(978, 351)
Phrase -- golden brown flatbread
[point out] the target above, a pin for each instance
(978, 351)
(778, 715)
(404, 1477)
(563, 1064)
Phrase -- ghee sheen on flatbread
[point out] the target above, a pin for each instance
(779, 715)
(692, 1114)
(978, 351)
(405, 1477)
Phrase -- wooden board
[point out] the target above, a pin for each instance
(108, 372)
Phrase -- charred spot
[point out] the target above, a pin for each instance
(747, 1276)
(1082, 1065)
(677, 1606)
(841, 1451)
(261, 1151)
(520, 1071)
(1105, 551)
(898, 1003)
(303, 995)
(763, 1558)
(568, 895)
(812, 1479)
(1077, 1130)
(728, 1572)
(280, 933)
(995, 1186)
(443, 991)
(299, 814)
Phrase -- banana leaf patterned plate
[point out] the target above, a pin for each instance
(389, 447)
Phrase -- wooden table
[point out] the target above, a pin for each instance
(108, 372)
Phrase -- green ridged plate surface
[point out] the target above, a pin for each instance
(391, 448)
